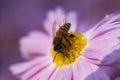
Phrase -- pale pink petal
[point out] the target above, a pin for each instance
(44, 74)
(112, 33)
(108, 23)
(58, 15)
(103, 40)
(62, 73)
(28, 70)
(84, 70)
(106, 55)
(36, 43)
(21, 68)
(97, 56)
(67, 73)
(101, 47)
(106, 46)
(72, 18)
(52, 16)
(88, 34)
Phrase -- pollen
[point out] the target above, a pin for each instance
(74, 43)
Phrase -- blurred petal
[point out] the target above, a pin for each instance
(29, 69)
(58, 15)
(62, 73)
(52, 16)
(44, 74)
(98, 55)
(22, 68)
(108, 34)
(36, 43)
(84, 70)
(72, 18)
(103, 39)
(108, 23)
(106, 46)
(99, 49)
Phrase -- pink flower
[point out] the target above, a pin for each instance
(102, 40)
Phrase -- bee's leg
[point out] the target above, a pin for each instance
(55, 57)
(66, 55)
(67, 40)
(64, 45)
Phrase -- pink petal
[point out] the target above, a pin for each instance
(72, 18)
(84, 70)
(44, 74)
(36, 43)
(62, 73)
(52, 16)
(58, 15)
(28, 69)
(111, 21)
(103, 40)
(96, 56)
(102, 46)
(112, 33)
(108, 23)
(106, 46)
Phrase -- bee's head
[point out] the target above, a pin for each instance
(58, 47)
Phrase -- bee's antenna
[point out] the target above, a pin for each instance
(64, 19)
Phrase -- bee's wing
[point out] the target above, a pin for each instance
(64, 20)
(54, 28)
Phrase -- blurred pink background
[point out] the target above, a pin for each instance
(18, 17)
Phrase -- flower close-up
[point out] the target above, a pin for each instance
(62, 52)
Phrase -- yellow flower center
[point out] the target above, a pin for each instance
(74, 43)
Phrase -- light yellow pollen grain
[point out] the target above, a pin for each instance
(70, 53)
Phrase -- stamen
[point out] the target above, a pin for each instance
(74, 44)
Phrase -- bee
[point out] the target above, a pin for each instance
(61, 33)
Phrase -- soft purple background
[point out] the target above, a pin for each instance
(18, 17)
